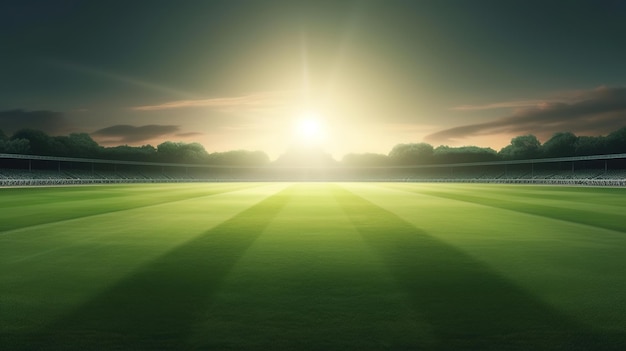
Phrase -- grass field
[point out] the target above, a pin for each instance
(313, 266)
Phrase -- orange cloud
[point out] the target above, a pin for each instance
(497, 105)
(251, 101)
(133, 134)
(596, 111)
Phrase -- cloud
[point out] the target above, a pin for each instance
(50, 122)
(267, 100)
(497, 105)
(131, 134)
(596, 111)
(189, 134)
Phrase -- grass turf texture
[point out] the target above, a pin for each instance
(313, 266)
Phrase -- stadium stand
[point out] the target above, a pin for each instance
(28, 170)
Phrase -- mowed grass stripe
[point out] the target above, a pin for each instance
(466, 304)
(65, 207)
(26, 196)
(327, 272)
(156, 307)
(29, 198)
(68, 263)
(604, 198)
(572, 199)
(310, 283)
(589, 217)
(152, 226)
(575, 268)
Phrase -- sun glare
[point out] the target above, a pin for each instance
(308, 128)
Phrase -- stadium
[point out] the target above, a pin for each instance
(439, 175)
(497, 255)
(596, 170)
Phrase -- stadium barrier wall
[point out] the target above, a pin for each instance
(61, 182)
(30, 170)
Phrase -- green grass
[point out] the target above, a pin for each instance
(313, 266)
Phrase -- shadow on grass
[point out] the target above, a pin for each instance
(591, 218)
(72, 209)
(156, 307)
(467, 305)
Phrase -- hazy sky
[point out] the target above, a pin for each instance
(237, 74)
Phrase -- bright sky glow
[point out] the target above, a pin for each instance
(378, 73)
(309, 129)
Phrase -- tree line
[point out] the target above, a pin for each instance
(81, 145)
(524, 147)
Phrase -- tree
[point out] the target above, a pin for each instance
(464, 154)
(589, 145)
(522, 147)
(616, 141)
(78, 145)
(560, 145)
(179, 152)
(365, 160)
(40, 142)
(130, 153)
(239, 158)
(14, 146)
(411, 154)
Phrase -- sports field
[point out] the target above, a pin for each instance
(313, 266)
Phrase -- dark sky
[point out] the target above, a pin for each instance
(238, 74)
